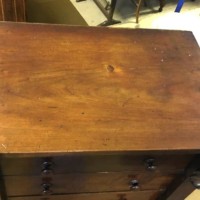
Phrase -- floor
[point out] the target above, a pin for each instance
(194, 196)
(187, 19)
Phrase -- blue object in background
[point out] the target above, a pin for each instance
(179, 5)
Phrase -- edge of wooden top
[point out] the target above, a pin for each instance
(65, 26)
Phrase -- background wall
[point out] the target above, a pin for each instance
(53, 11)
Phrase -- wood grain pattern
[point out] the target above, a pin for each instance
(86, 182)
(20, 10)
(145, 195)
(1, 11)
(12, 10)
(75, 89)
(93, 163)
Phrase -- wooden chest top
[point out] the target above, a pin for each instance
(86, 89)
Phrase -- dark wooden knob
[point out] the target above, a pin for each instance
(47, 172)
(195, 179)
(47, 168)
(46, 189)
(46, 185)
(134, 185)
(46, 192)
(150, 164)
(47, 165)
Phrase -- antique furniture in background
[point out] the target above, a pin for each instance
(40, 11)
(15, 10)
(12, 10)
(89, 119)
(108, 9)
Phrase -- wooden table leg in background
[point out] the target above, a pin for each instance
(138, 4)
(12, 10)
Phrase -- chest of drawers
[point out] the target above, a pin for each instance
(83, 118)
(113, 176)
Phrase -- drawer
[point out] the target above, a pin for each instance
(92, 163)
(140, 195)
(86, 183)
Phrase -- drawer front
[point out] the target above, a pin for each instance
(92, 163)
(86, 183)
(140, 195)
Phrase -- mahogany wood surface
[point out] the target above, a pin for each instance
(29, 166)
(87, 182)
(93, 89)
(141, 195)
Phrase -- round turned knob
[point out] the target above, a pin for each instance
(134, 185)
(47, 172)
(47, 168)
(150, 164)
(46, 192)
(46, 189)
(47, 165)
(195, 179)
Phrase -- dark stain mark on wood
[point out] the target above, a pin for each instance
(110, 68)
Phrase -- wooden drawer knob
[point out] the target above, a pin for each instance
(134, 185)
(150, 164)
(46, 189)
(47, 165)
(195, 179)
(47, 172)
(47, 168)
